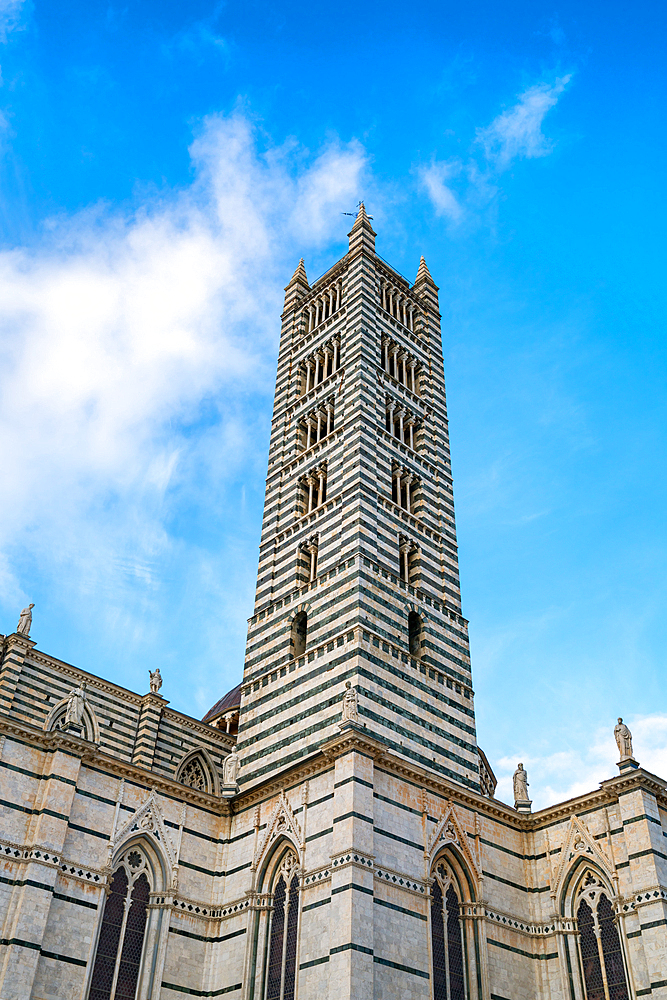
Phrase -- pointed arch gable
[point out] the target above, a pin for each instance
(449, 837)
(91, 725)
(210, 771)
(282, 825)
(579, 848)
(147, 824)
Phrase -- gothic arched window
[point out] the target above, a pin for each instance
(601, 955)
(121, 942)
(446, 939)
(281, 957)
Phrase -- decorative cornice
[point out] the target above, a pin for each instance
(353, 738)
(200, 727)
(97, 683)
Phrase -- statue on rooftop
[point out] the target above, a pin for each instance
(25, 620)
(520, 781)
(156, 680)
(623, 738)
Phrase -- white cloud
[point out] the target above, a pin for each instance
(117, 330)
(435, 180)
(517, 132)
(571, 772)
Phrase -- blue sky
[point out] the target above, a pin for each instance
(163, 167)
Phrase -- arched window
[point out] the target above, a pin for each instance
(281, 955)
(299, 633)
(446, 939)
(121, 942)
(601, 955)
(415, 633)
(197, 770)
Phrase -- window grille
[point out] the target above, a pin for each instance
(281, 961)
(120, 946)
(601, 955)
(193, 776)
(446, 939)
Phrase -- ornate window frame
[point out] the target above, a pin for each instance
(209, 771)
(450, 868)
(282, 837)
(588, 883)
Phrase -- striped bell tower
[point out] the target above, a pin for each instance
(358, 582)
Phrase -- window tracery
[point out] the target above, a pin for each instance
(397, 303)
(313, 489)
(404, 487)
(323, 305)
(281, 953)
(193, 775)
(121, 942)
(601, 954)
(446, 938)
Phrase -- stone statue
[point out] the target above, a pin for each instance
(230, 768)
(156, 680)
(623, 738)
(75, 705)
(350, 711)
(520, 785)
(25, 620)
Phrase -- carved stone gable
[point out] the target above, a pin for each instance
(282, 823)
(449, 830)
(579, 844)
(147, 820)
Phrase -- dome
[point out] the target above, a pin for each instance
(231, 701)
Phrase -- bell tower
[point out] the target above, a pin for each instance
(358, 569)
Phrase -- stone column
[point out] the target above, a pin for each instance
(152, 706)
(17, 646)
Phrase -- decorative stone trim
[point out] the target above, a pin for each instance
(119, 693)
(315, 877)
(89, 876)
(351, 858)
(400, 880)
(526, 928)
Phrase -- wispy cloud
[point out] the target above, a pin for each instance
(435, 179)
(517, 132)
(121, 332)
(459, 188)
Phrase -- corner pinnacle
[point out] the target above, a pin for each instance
(423, 274)
(300, 275)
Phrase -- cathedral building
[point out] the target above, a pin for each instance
(329, 829)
